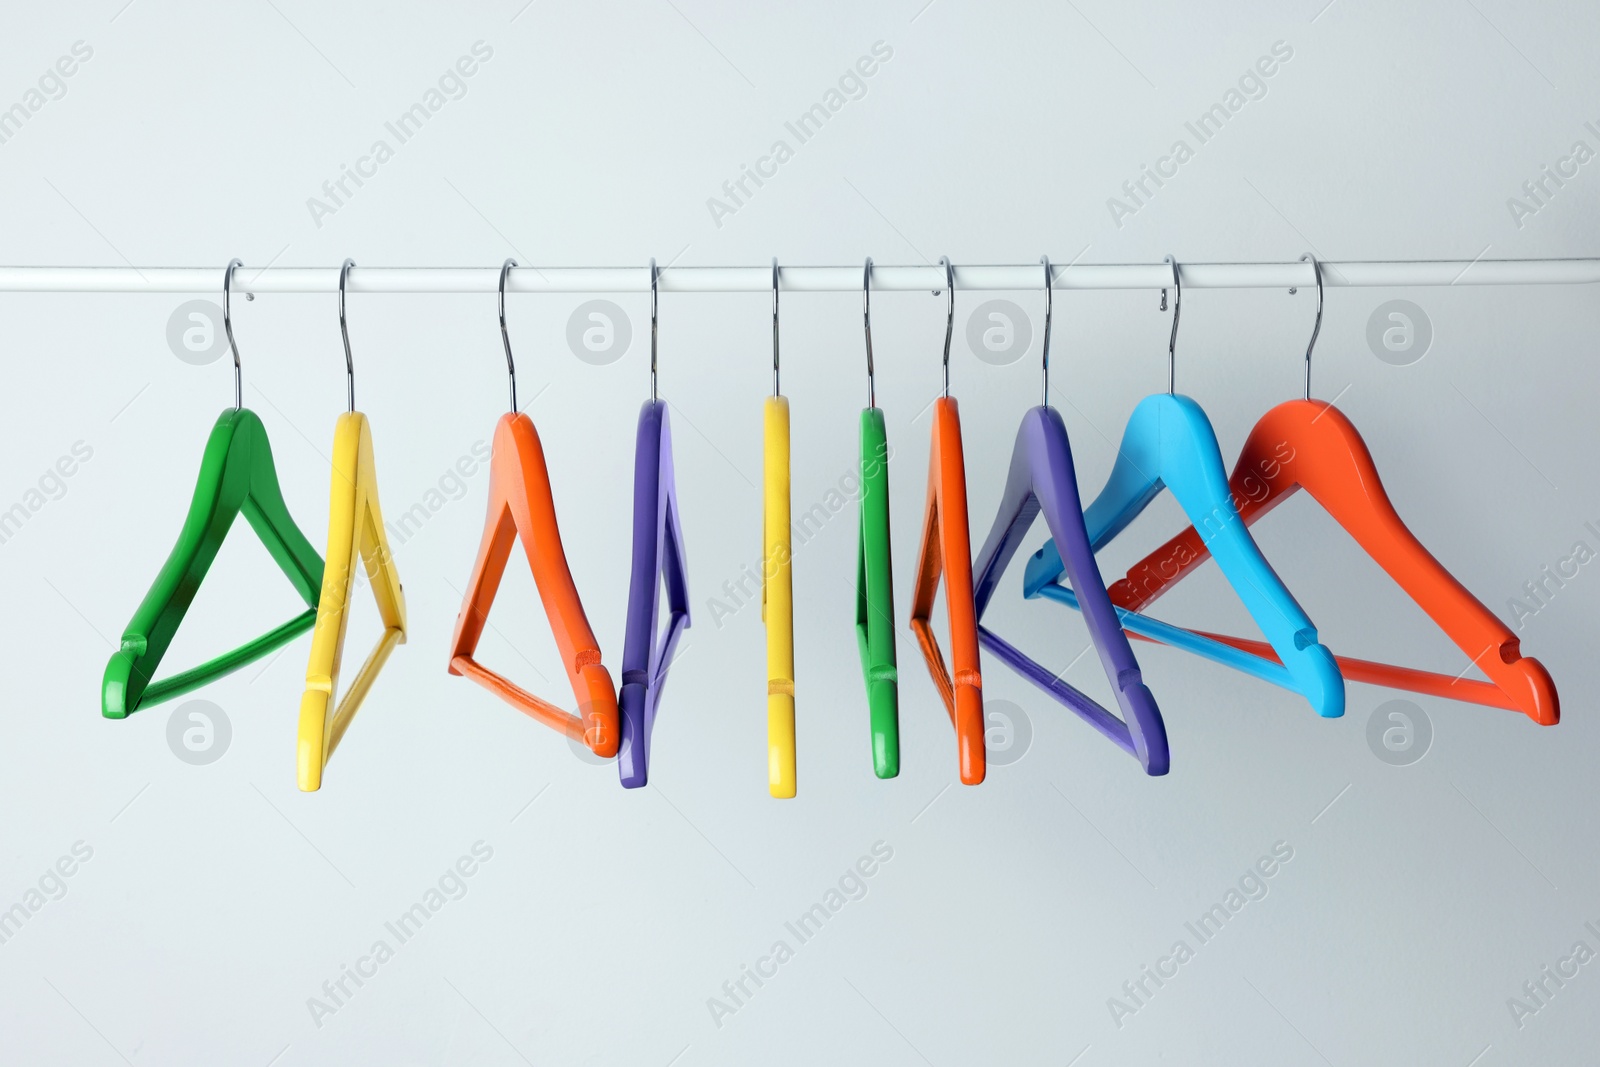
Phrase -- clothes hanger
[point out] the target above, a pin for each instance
(658, 559)
(1042, 480)
(1311, 445)
(355, 528)
(1169, 444)
(521, 505)
(777, 583)
(236, 475)
(874, 575)
(946, 549)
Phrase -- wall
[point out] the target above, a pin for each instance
(212, 911)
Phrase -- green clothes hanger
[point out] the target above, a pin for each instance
(236, 474)
(874, 577)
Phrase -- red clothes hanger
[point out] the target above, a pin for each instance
(520, 504)
(1310, 445)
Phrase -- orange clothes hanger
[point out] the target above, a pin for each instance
(947, 549)
(1306, 444)
(520, 504)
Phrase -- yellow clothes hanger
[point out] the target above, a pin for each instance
(355, 527)
(777, 586)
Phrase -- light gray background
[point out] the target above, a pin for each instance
(218, 899)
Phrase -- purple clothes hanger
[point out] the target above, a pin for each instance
(657, 560)
(1042, 479)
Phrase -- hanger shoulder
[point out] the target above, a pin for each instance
(1335, 466)
(533, 509)
(777, 597)
(875, 596)
(494, 553)
(1192, 464)
(675, 581)
(1043, 481)
(1190, 459)
(494, 549)
(930, 556)
(1314, 446)
(232, 468)
(1019, 506)
(212, 509)
(269, 516)
(644, 578)
(674, 557)
(1136, 474)
(327, 638)
(521, 504)
(657, 561)
(1259, 483)
(930, 569)
(863, 629)
(1262, 479)
(946, 549)
(374, 534)
(355, 531)
(1057, 488)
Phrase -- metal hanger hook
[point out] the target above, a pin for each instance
(654, 275)
(1172, 342)
(949, 315)
(866, 322)
(227, 325)
(1317, 326)
(775, 326)
(505, 338)
(344, 331)
(1049, 311)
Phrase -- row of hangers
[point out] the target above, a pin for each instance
(1168, 444)
(237, 476)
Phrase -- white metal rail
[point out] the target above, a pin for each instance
(757, 279)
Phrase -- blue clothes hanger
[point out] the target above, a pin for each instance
(1169, 444)
(1042, 480)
